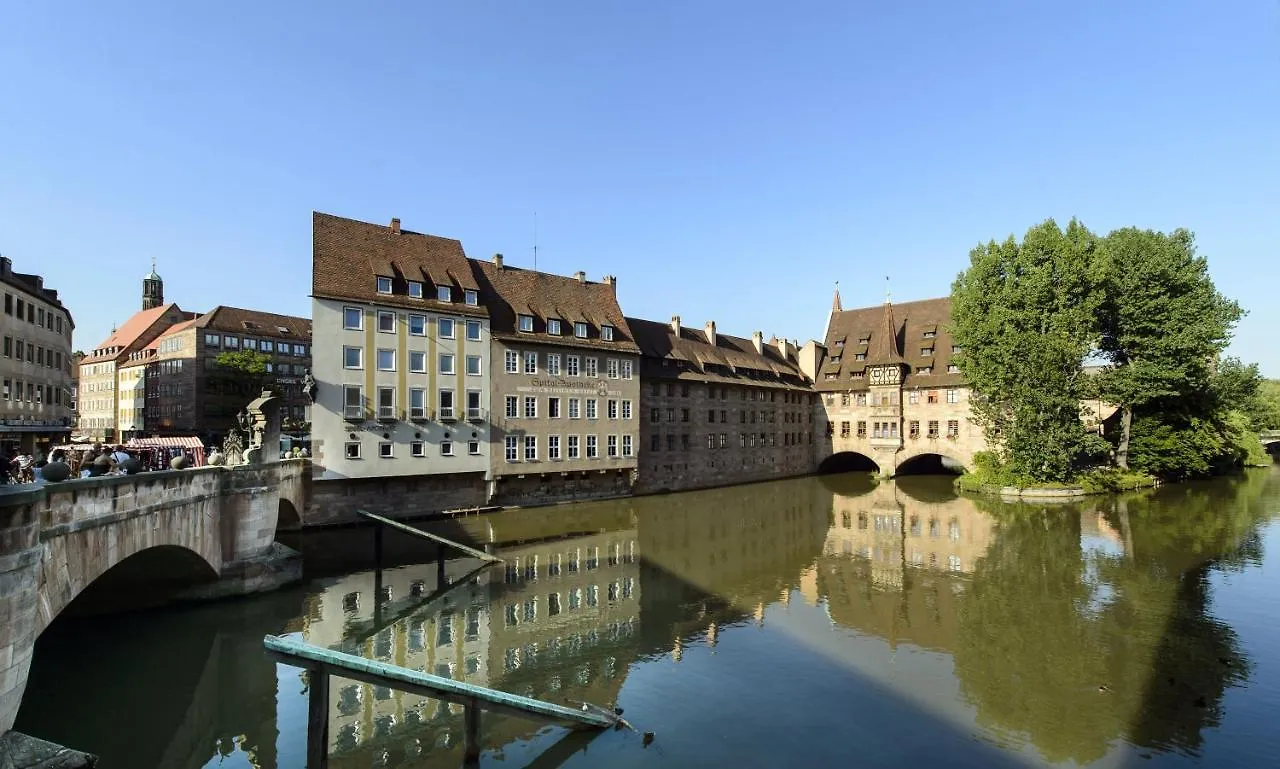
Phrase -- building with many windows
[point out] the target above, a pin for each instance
(402, 368)
(35, 364)
(717, 409)
(891, 390)
(566, 386)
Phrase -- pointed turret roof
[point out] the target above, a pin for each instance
(835, 303)
(884, 347)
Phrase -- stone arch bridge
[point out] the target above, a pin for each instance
(899, 457)
(217, 524)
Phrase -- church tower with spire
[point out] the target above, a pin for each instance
(152, 289)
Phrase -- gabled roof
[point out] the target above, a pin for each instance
(895, 334)
(128, 334)
(510, 291)
(174, 329)
(731, 359)
(255, 323)
(348, 257)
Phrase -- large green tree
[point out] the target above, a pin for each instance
(1161, 325)
(1024, 315)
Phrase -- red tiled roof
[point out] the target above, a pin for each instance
(510, 291)
(174, 329)
(348, 256)
(234, 320)
(896, 334)
(731, 359)
(128, 334)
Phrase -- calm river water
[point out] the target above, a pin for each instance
(813, 622)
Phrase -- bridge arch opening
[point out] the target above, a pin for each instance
(848, 462)
(929, 464)
(1272, 448)
(146, 579)
(287, 517)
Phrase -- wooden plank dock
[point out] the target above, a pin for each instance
(414, 531)
(323, 663)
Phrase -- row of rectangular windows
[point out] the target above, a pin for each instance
(890, 429)
(513, 444)
(446, 328)
(920, 371)
(613, 407)
(417, 449)
(35, 392)
(721, 440)
(414, 290)
(248, 343)
(925, 352)
(573, 365)
(16, 348)
(353, 359)
(655, 416)
(354, 403)
(14, 306)
(745, 393)
(891, 398)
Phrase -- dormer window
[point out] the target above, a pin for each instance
(859, 356)
(580, 330)
(930, 334)
(471, 297)
(926, 351)
(856, 375)
(606, 333)
(415, 289)
(444, 293)
(526, 324)
(384, 285)
(925, 370)
(955, 349)
(835, 358)
(864, 340)
(553, 326)
(839, 343)
(953, 369)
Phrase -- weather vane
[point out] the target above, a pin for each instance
(888, 295)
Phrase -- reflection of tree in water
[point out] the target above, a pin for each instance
(1073, 651)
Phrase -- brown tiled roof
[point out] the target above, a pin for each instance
(348, 256)
(174, 329)
(896, 335)
(267, 325)
(508, 291)
(128, 334)
(692, 356)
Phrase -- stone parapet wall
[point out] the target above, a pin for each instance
(551, 488)
(336, 502)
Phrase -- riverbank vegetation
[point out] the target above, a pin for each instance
(1130, 322)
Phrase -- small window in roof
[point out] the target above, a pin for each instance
(282, 329)
(580, 330)
(606, 332)
(471, 297)
(250, 324)
(444, 293)
(384, 285)
(526, 323)
(553, 326)
(415, 289)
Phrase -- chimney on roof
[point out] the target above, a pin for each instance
(611, 282)
(711, 332)
(581, 276)
(6, 266)
(395, 225)
(497, 261)
(784, 347)
(757, 341)
(675, 324)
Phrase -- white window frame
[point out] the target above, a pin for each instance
(553, 447)
(531, 363)
(531, 448)
(451, 411)
(386, 450)
(512, 362)
(592, 367)
(553, 326)
(626, 369)
(573, 450)
(446, 448)
(479, 329)
(611, 446)
(347, 408)
(444, 293)
(417, 449)
(511, 405)
(626, 409)
(511, 444)
(593, 447)
(575, 408)
(553, 364)
(592, 412)
(359, 358)
(417, 362)
(611, 408)
(415, 289)
(447, 364)
(384, 284)
(611, 368)
(418, 394)
(473, 412)
(626, 445)
(471, 296)
(386, 411)
(421, 322)
(580, 330)
(479, 367)
(571, 365)
(606, 332)
(441, 324)
(386, 314)
(530, 407)
(524, 324)
(347, 453)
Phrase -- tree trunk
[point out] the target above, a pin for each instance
(1126, 425)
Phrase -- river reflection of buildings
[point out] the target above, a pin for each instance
(549, 623)
(894, 565)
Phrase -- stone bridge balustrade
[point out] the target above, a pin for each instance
(56, 539)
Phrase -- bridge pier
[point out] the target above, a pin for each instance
(19, 574)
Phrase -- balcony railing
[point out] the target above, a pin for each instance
(477, 415)
(447, 414)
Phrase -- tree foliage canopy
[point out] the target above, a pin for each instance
(1029, 314)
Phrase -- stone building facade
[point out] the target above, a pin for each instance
(401, 415)
(890, 390)
(35, 363)
(566, 386)
(717, 410)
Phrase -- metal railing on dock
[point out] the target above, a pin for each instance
(322, 663)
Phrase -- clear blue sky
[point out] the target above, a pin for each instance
(726, 160)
